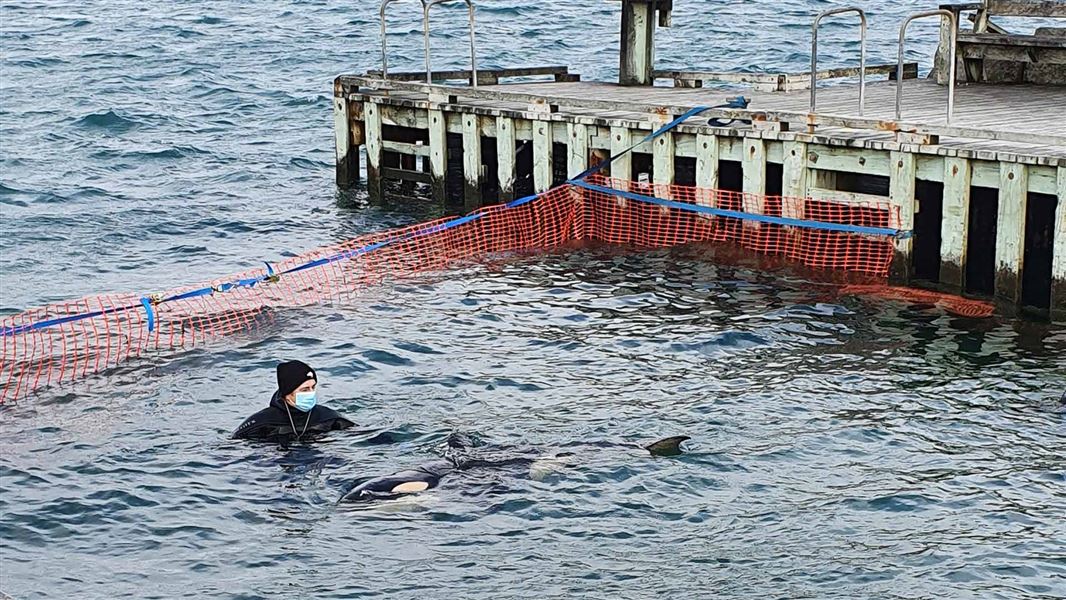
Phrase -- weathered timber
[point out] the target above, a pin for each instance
(901, 195)
(580, 100)
(1058, 257)
(1010, 230)
(505, 157)
(374, 151)
(347, 151)
(484, 76)
(955, 221)
(779, 82)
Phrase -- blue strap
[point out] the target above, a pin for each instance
(15, 330)
(718, 212)
(738, 102)
(146, 302)
(651, 136)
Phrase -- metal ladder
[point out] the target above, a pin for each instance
(953, 23)
(426, 6)
(862, 54)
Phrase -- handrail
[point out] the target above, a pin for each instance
(384, 38)
(953, 22)
(862, 54)
(473, 47)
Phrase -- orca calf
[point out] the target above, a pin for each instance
(456, 458)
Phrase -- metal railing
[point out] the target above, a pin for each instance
(426, 6)
(953, 23)
(862, 54)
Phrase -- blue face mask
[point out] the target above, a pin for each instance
(305, 401)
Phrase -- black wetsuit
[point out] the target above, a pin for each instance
(273, 423)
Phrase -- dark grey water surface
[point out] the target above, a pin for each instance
(842, 448)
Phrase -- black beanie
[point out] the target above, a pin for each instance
(292, 374)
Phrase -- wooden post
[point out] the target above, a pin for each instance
(438, 154)
(637, 50)
(754, 184)
(542, 156)
(622, 167)
(794, 180)
(471, 162)
(505, 157)
(1010, 229)
(955, 221)
(347, 155)
(706, 169)
(1058, 256)
(901, 195)
(662, 165)
(372, 123)
(942, 58)
(578, 146)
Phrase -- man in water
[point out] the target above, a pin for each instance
(294, 412)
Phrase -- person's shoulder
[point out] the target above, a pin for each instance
(255, 425)
(325, 414)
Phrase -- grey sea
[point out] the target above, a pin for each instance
(840, 448)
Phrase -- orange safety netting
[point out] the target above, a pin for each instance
(956, 305)
(66, 341)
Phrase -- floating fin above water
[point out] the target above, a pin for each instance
(670, 446)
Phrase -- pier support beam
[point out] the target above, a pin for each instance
(754, 184)
(901, 188)
(794, 180)
(471, 162)
(578, 149)
(345, 129)
(505, 157)
(662, 164)
(955, 221)
(1010, 230)
(372, 125)
(438, 154)
(1058, 256)
(622, 166)
(542, 156)
(706, 169)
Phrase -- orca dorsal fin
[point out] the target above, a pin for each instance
(670, 446)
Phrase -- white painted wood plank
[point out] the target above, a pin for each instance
(577, 149)
(372, 123)
(1010, 229)
(505, 157)
(955, 220)
(901, 189)
(438, 152)
(542, 156)
(754, 182)
(662, 165)
(706, 169)
(794, 180)
(471, 161)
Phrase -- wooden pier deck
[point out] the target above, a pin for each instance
(1010, 113)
